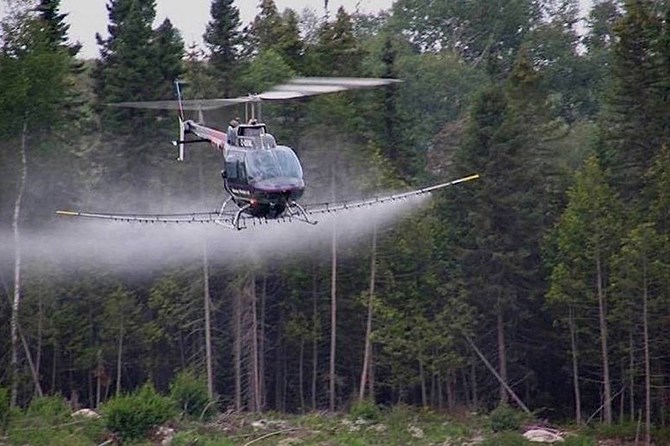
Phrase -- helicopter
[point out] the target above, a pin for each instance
(263, 180)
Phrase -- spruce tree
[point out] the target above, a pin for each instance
(137, 63)
(635, 125)
(223, 37)
(271, 30)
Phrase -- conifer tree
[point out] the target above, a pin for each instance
(223, 38)
(588, 233)
(635, 124)
(33, 75)
(337, 52)
(275, 31)
(137, 63)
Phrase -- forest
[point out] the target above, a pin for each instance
(543, 285)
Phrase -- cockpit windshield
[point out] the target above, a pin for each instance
(272, 163)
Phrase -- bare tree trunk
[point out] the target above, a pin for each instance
(502, 355)
(237, 346)
(119, 356)
(475, 392)
(368, 325)
(333, 322)
(315, 338)
(422, 378)
(208, 321)
(602, 311)
(261, 359)
(497, 375)
(575, 367)
(98, 380)
(40, 322)
(14, 324)
(631, 371)
(647, 360)
(207, 300)
(301, 375)
(255, 379)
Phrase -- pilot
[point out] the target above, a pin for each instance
(253, 121)
(232, 131)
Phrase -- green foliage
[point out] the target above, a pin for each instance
(506, 439)
(579, 440)
(268, 69)
(49, 408)
(190, 438)
(189, 392)
(4, 408)
(626, 430)
(47, 422)
(506, 418)
(132, 415)
(366, 410)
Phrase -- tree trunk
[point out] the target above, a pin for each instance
(631, 376)
(497, 375)
(502, 355)
(315, 339)
(301, 376)
(119, 356)
(368, 325)
(647, 360)
(208, 321)
(333, 321)
(255, 380)
(473, 383)
(98, 380)
(237, 347)
(261, 359)
(14, 324)
(602, 311)
(422, 379)
(40, 322)
(575, 367)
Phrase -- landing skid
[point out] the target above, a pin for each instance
(298, 212)
(294, 211)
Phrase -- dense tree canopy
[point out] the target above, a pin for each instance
(552, 266)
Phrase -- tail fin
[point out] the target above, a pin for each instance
(180, 142)
(182, 126)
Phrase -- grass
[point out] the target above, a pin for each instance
(47, 425)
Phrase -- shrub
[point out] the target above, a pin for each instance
(4, 408)
(51, 409)
(366, 410)
(507, 439)
(505, 418)
(131, 416)
(191, 396)
(579, 440)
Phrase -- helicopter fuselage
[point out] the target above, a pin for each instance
(263, 178)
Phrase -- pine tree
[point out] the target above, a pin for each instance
(588, 233)
(280, 33)
(337, 52)
(634, 125)
(137, 63)
(33, 75)
(223, 37)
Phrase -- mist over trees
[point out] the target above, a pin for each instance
(553, 265)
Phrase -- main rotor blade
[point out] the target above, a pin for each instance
(310, 86)
(191, 104)
(295, 88)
